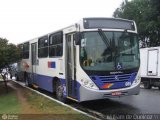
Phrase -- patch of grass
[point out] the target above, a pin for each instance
(47, 106)
(41, 106)
(9, 103)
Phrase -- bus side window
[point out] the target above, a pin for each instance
(25, 50)
(43, 47)
(56, 44)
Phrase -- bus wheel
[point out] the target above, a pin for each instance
(59, 92)
(147, 85)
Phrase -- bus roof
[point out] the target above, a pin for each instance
(95, 22)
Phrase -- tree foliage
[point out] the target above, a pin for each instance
(9, 53)
(146, 14)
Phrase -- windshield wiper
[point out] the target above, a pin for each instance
(104, 38)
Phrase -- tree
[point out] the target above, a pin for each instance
(9, 54)
(146, 14)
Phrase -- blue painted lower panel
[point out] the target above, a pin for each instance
(46, 83)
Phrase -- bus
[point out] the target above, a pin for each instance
(95, 58)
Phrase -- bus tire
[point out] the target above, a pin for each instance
(147, 85)
(59, 92)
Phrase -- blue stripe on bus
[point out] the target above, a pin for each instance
(46, 83)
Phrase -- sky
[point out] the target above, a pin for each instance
(22, 20)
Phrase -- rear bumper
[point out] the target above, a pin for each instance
(89, 94)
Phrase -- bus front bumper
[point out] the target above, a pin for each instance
(90, 94)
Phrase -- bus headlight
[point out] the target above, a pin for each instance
(89, 84)
(137, 79)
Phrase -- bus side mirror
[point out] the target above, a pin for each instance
(77, 38)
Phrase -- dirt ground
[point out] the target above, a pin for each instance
(26, 108)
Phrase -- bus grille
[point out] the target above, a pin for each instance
(113, 78)
(114, 81)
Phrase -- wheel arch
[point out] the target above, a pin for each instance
(54, 81)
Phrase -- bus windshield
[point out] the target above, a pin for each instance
(109, 51)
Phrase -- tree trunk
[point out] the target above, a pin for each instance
(5, 82)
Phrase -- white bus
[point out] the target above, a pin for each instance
(96, 58)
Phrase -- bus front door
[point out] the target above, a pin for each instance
(33, 61)
(70, 67)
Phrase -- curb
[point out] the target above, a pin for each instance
(84, 113)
